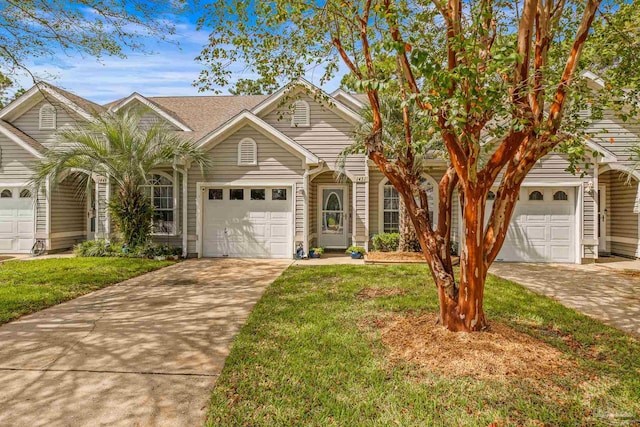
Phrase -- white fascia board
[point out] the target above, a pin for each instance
(607, 156)
(135, 96)
(246, 117)
(40, 89)
(341, 93)
(334, 104)
(594, 78)
(20, 142)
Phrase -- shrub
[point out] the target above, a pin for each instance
(94, 248)
(318, 250)
(386, 242)
(102, 248)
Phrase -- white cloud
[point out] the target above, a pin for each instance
(170, 71)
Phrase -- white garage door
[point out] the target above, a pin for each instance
(16, 220)
(542, 228)
(249, 222)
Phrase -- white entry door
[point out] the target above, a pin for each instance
(250, 222)
(333, 217)
(542, 228)
(16, 220)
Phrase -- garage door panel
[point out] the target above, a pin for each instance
(560, 233)
(6, 244)
(8, 227)
(541, 231)
(255, 228)
(535, 232)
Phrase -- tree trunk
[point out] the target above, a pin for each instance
(465, 312)
(408, 236)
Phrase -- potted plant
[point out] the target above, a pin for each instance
(356, 252)
(316, 252)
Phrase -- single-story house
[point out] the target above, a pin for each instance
(272, 183)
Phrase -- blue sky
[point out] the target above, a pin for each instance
(169, 71)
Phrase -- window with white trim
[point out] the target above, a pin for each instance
(300, 115)
(247, 152)
(6, 194)
(390, 209)
(25, 193)
(160, 190)
(47, 117)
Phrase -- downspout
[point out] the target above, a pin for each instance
(185, 236)
(366, 205)
(305, 212)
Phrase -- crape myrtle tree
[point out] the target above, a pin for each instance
(497, 82)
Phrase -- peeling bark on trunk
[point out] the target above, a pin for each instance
(408, 237)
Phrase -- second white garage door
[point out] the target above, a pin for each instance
(542, 228)
(16, 220)
(250, 222)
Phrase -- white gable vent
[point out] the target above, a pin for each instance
(247, 152)
(300, 115)
(47, 117)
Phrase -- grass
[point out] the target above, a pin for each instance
(304, 358)
(29, 286)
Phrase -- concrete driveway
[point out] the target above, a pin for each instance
(609, 294)
(144, 352)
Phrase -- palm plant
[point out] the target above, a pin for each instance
(119, 147)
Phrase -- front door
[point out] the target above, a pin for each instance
(602, 219)
(333, 213)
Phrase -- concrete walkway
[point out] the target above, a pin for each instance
(597, 290)
(145, 352)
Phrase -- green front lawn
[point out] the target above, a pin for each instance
(311, 354)
(28, 286)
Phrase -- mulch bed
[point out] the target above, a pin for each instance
(498, 353)
(398, 258)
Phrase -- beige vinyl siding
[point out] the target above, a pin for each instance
(29, 122)
(15, 163)
(274, 163)
(326, 137)
(68, 211)
(615, 136)
(622, 223)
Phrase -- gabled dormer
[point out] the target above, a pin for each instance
(155, 113)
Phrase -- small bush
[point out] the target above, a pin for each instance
(102, 248)
(94, 248)
(386, 242)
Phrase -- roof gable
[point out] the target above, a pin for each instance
(83, 107)
(169, 116)
(301, 84)
(248, 118)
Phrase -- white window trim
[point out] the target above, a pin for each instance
(174, 222)
(55, 117)
(381, 209)
(428, 178)
(305, 105)
(254, 147)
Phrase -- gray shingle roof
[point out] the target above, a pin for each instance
(204, 114)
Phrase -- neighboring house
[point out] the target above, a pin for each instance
(272, 183)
